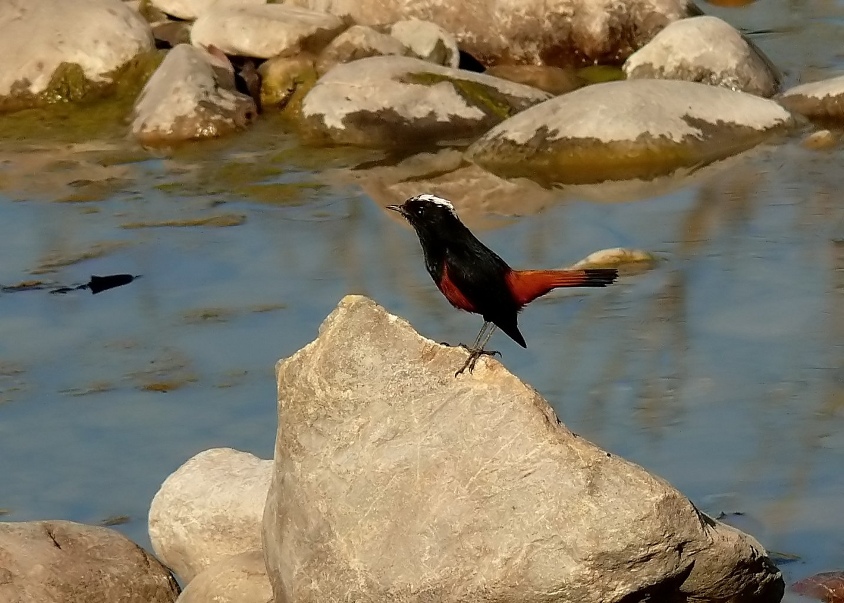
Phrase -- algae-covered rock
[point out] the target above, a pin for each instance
(402, 101)
(66, 51)
(631, 129)
(285, 81)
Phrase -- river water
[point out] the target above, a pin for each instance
(720, 369)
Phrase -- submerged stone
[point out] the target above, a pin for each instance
(817, 100)
(624, 130)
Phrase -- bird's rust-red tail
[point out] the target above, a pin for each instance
(527, 285)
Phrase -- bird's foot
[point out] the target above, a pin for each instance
(474, 355)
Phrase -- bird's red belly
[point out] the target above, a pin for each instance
(453, 294)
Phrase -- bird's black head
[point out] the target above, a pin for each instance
(429, 213)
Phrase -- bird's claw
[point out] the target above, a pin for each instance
(473, 358)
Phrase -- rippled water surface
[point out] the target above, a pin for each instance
(721, 369)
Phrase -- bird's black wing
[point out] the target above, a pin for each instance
(480, 275)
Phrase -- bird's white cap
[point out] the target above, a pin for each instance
(433, 199)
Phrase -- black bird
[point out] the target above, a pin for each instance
(475, 279)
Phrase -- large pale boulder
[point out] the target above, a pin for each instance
(59, 50)
(624, 130)
(708, 50)
(553, 32)
(390, 101)
(817, 100)
(265, 31)
(191, 96)
(395, 481)
(238, 579)
(209, 509)
(66, 562)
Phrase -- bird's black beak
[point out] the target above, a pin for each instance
(396, 208)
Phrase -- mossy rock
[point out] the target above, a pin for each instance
(69, 84)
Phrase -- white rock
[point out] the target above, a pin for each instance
(554, 32)
(265, 31)
(395, 481)
(238, 579)
(187, 99)
(628, 129)
(428, 41)
(209, 509)
(823, 99)
(384, 101)
(98, 35)
(192, 9)
(707, 50)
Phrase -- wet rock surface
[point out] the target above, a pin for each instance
(208, 510)
(191, 96)
(67, 562)
(707, 50)
(631, 129)
(61, 51)
(394, 480)
(817, 100)
(390, 101)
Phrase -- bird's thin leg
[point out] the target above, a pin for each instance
(474, 346)
(477, 350)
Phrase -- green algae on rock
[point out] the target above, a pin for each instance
(389, 102)
(624, 130)
(66, 51)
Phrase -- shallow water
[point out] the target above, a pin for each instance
(720, 370)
